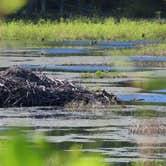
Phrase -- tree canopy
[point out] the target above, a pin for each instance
(121, 8)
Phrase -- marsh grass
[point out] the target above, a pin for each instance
(151, 50)
(82, 29)
(103, 74)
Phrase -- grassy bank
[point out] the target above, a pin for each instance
(82, 29)
(151, 50)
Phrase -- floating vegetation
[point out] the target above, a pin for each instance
(103, 74)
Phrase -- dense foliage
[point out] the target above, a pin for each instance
(120, 8)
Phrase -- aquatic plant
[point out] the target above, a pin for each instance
(103, 74)
(99, 74)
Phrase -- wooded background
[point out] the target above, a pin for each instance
(114, 8)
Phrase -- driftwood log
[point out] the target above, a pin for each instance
(22, 87)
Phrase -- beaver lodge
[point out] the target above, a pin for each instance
(23, 87)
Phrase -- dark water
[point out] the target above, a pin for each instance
(122, 134)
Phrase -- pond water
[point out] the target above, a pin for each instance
(122, 134)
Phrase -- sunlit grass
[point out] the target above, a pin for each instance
(82, 29)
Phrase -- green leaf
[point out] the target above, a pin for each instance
(11, 6)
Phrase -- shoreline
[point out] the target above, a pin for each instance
(112, 48)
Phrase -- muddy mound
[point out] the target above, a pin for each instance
(22, 87)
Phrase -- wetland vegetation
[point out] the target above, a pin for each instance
(83, 29)
(103, 74)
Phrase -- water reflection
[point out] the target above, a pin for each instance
(150, 138)
(125, 134)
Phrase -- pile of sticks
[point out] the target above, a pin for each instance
(22, 87)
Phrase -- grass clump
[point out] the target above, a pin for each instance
(103, 74)
(82, 29)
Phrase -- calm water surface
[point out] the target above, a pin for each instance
(121, 134)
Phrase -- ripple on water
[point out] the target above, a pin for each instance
(100, 131)
(103, 131)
